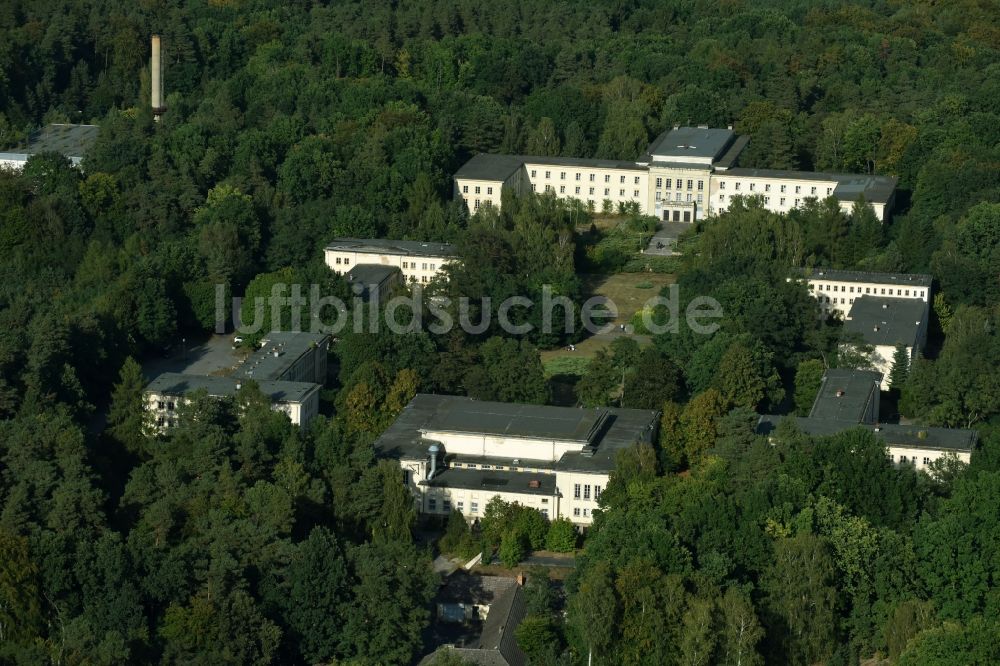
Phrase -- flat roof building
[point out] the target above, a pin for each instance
(418, 261)
(457, 453)
(71, 141)
(850, 399)
(290, 367)
(299, 400)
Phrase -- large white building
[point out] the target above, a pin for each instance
(70, 141)
(458, 453)
(289, 367)
(850, 399)
(418, 261)
(687, 173)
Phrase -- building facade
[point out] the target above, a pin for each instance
(687, 173)
(419, 262)
(167, 393)
(457, 454)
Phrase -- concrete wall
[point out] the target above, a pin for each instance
(921, 458)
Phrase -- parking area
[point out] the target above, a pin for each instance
(212, 356)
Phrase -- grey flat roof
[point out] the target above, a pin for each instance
(406, 248)
(63, 138)
(262, 365)
(515, 420)
(848, 186)
(845, 394)
(623, 428)
(495, 481)
(178, 384)
(371, 274)
(896, 279)
(886, 321)
(918, 437)
(692, 141)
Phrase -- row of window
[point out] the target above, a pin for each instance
(576, 512)
(170, 423)
(465, 189)
(661, 182)
(767, 188)
(472, 465)
(169, 405)
(767, 201)
(578, 176)
(460, 506)
(562, 190)
(871, 290)
(910, 459)
(677, 197)
(413, 265)
(586, 491)
(345, 262)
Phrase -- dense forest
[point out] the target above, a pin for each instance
(239, 538)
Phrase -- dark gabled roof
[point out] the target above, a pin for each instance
(894, 279)
(178, 384)
(506, 613)
(263, 365)
(485, 166)
(846, 394)
(622, 428)
(496, 645)
(918, 437)
(886, 321)
(501, 167)
(849, 187)
(495, 481)
(692, 142)
(406, 248)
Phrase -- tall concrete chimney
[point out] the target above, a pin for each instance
(156, 76)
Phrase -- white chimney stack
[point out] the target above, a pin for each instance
(156, 75)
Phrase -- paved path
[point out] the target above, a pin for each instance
(663, 241)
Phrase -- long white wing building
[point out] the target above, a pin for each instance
(687, 173)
